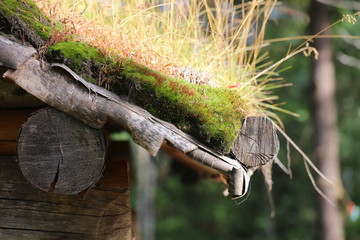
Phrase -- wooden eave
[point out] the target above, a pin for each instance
(93, 105)
(29, 82)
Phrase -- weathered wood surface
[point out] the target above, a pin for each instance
(94, 109)
(12, 96)
(105, 213)
(13, 54)
(59, 153)
(95, 106)
(201, 169)
(257, 143)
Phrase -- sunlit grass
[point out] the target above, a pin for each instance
(214, 42)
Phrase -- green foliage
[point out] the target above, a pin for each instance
(348, 99)
(198, 210)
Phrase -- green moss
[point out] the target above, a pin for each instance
(28, 13)
(210, 114)
(80, 57)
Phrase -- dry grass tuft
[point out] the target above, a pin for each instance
(213, 42)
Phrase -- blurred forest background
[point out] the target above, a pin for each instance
(188, 207)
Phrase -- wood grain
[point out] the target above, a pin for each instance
(54, 148)
(12, 96)
(257, 143)
(14, 54)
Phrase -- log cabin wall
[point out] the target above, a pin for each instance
(103, 212)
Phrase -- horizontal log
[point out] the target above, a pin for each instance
(12, 96)
(200, 168)
(13, 54)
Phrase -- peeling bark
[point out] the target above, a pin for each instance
(13, 54)
(61, 88)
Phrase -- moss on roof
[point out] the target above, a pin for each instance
(87, 61)
(24, 15)
(213, 115)
(210, 114)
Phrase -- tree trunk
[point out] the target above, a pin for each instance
(327, 149)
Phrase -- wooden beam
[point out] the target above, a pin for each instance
(13, 54)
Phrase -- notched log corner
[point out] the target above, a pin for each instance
(57, 152)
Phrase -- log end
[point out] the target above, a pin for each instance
(257, 142)
(59, 153)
